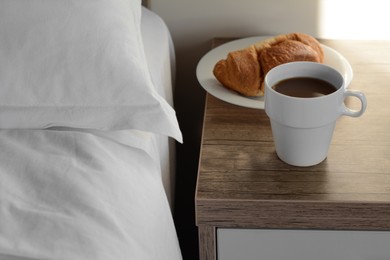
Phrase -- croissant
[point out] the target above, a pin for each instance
(240, 72)
(287, 48)
(243, 70)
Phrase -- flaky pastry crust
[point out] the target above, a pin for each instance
(240, 72)
(243, 70)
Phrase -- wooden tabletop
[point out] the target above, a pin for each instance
(242, 183)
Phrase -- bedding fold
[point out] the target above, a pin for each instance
(77, 195)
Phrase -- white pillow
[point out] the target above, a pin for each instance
(77, 63)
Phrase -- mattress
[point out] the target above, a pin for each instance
(160, 55)
(69, 193)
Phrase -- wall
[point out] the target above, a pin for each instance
(193, 23)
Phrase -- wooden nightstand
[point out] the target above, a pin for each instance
(243, 186)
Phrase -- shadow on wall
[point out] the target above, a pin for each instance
(189, 103)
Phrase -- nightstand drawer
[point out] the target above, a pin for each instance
(268, 244)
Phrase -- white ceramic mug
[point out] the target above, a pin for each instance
(303, 127)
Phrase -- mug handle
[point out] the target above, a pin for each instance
(360, 95)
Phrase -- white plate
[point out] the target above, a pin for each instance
(204, 71)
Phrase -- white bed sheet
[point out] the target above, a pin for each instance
(81, 194)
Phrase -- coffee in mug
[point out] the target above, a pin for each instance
(304, 87)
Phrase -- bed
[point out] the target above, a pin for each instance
(87, 131)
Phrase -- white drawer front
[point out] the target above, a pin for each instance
(268, 244)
